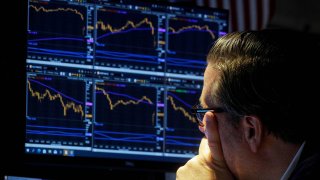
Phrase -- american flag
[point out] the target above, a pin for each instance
(244, 14)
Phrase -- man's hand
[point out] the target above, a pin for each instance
(210, 163)
(199, 166)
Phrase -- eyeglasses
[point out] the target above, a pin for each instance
(199, 112)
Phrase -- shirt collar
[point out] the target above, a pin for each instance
(293, 163)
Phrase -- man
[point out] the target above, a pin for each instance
(260, 112)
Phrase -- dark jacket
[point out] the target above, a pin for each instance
(308, 166)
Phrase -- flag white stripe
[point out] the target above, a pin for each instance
(226, 5)
(213, 3)
(240, 15)
(200, 2)
(253, 14)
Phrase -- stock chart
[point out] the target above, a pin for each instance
(52, 36)
(55, 110)
(126, 37)
(189, 42)
(116, 78)
(182, 131)
(125, 116)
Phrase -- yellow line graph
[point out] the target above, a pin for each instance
(122, 102)
(52, 97)
(57, 9)
(181, 109)
(129, 24)
(205, 27)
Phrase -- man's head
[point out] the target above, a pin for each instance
(262, 80)
(268, 74)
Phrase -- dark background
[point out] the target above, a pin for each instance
(293, 14)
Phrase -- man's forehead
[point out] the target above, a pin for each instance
(210, 76)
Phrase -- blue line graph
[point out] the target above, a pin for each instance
(50, 34)
(199, 64)
(55, 127)
(130, 57)
(63, 53)
(55, 39)
(182, 133)
(54, 115)
(62, 94)
(134, 137)
(128, 39)
(125, 116)
(179, 99)
(55, 99)
(178, 140)
(55, 131)
(122, 32)
(188, 44)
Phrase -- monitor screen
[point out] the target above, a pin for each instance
(116, 79)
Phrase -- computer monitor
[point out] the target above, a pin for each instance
(116, 80)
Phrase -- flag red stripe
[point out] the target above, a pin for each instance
(272, 8)
(246, 14)
(252, 17)
(233, 14)
(219, 3)
(259, 10)
(206, 3)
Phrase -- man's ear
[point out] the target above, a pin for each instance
(253, 131)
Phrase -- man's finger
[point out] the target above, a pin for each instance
(212, 134)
